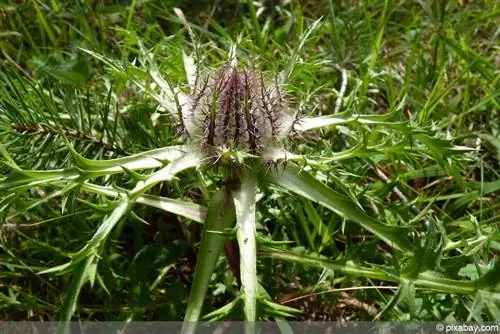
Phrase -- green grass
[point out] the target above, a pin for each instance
(389, 202)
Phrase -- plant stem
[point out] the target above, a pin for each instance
(244, 201)
(220, 216)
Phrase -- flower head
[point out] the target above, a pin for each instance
(237, 109)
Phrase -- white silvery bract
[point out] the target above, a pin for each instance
(236, 109)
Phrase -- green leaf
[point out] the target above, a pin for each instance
(82, 275)
(403, 293)
(285, 74)
(188, 160)
(90, 249)
(309, 123)
(429, 279)
(470, 271)
(427, 256)
(145, 160)
(21, 179)
(185, 209)
(274, 309)
(492, 302)
(491, 279)
(69, 187)
(220, 313)
(303, 184)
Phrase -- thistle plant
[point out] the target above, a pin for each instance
(235, 121)
(234, 116)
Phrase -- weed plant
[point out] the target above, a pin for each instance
(324, 161)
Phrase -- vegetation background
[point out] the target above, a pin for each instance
(431, 167)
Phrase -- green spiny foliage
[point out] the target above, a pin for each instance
(387, 188)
